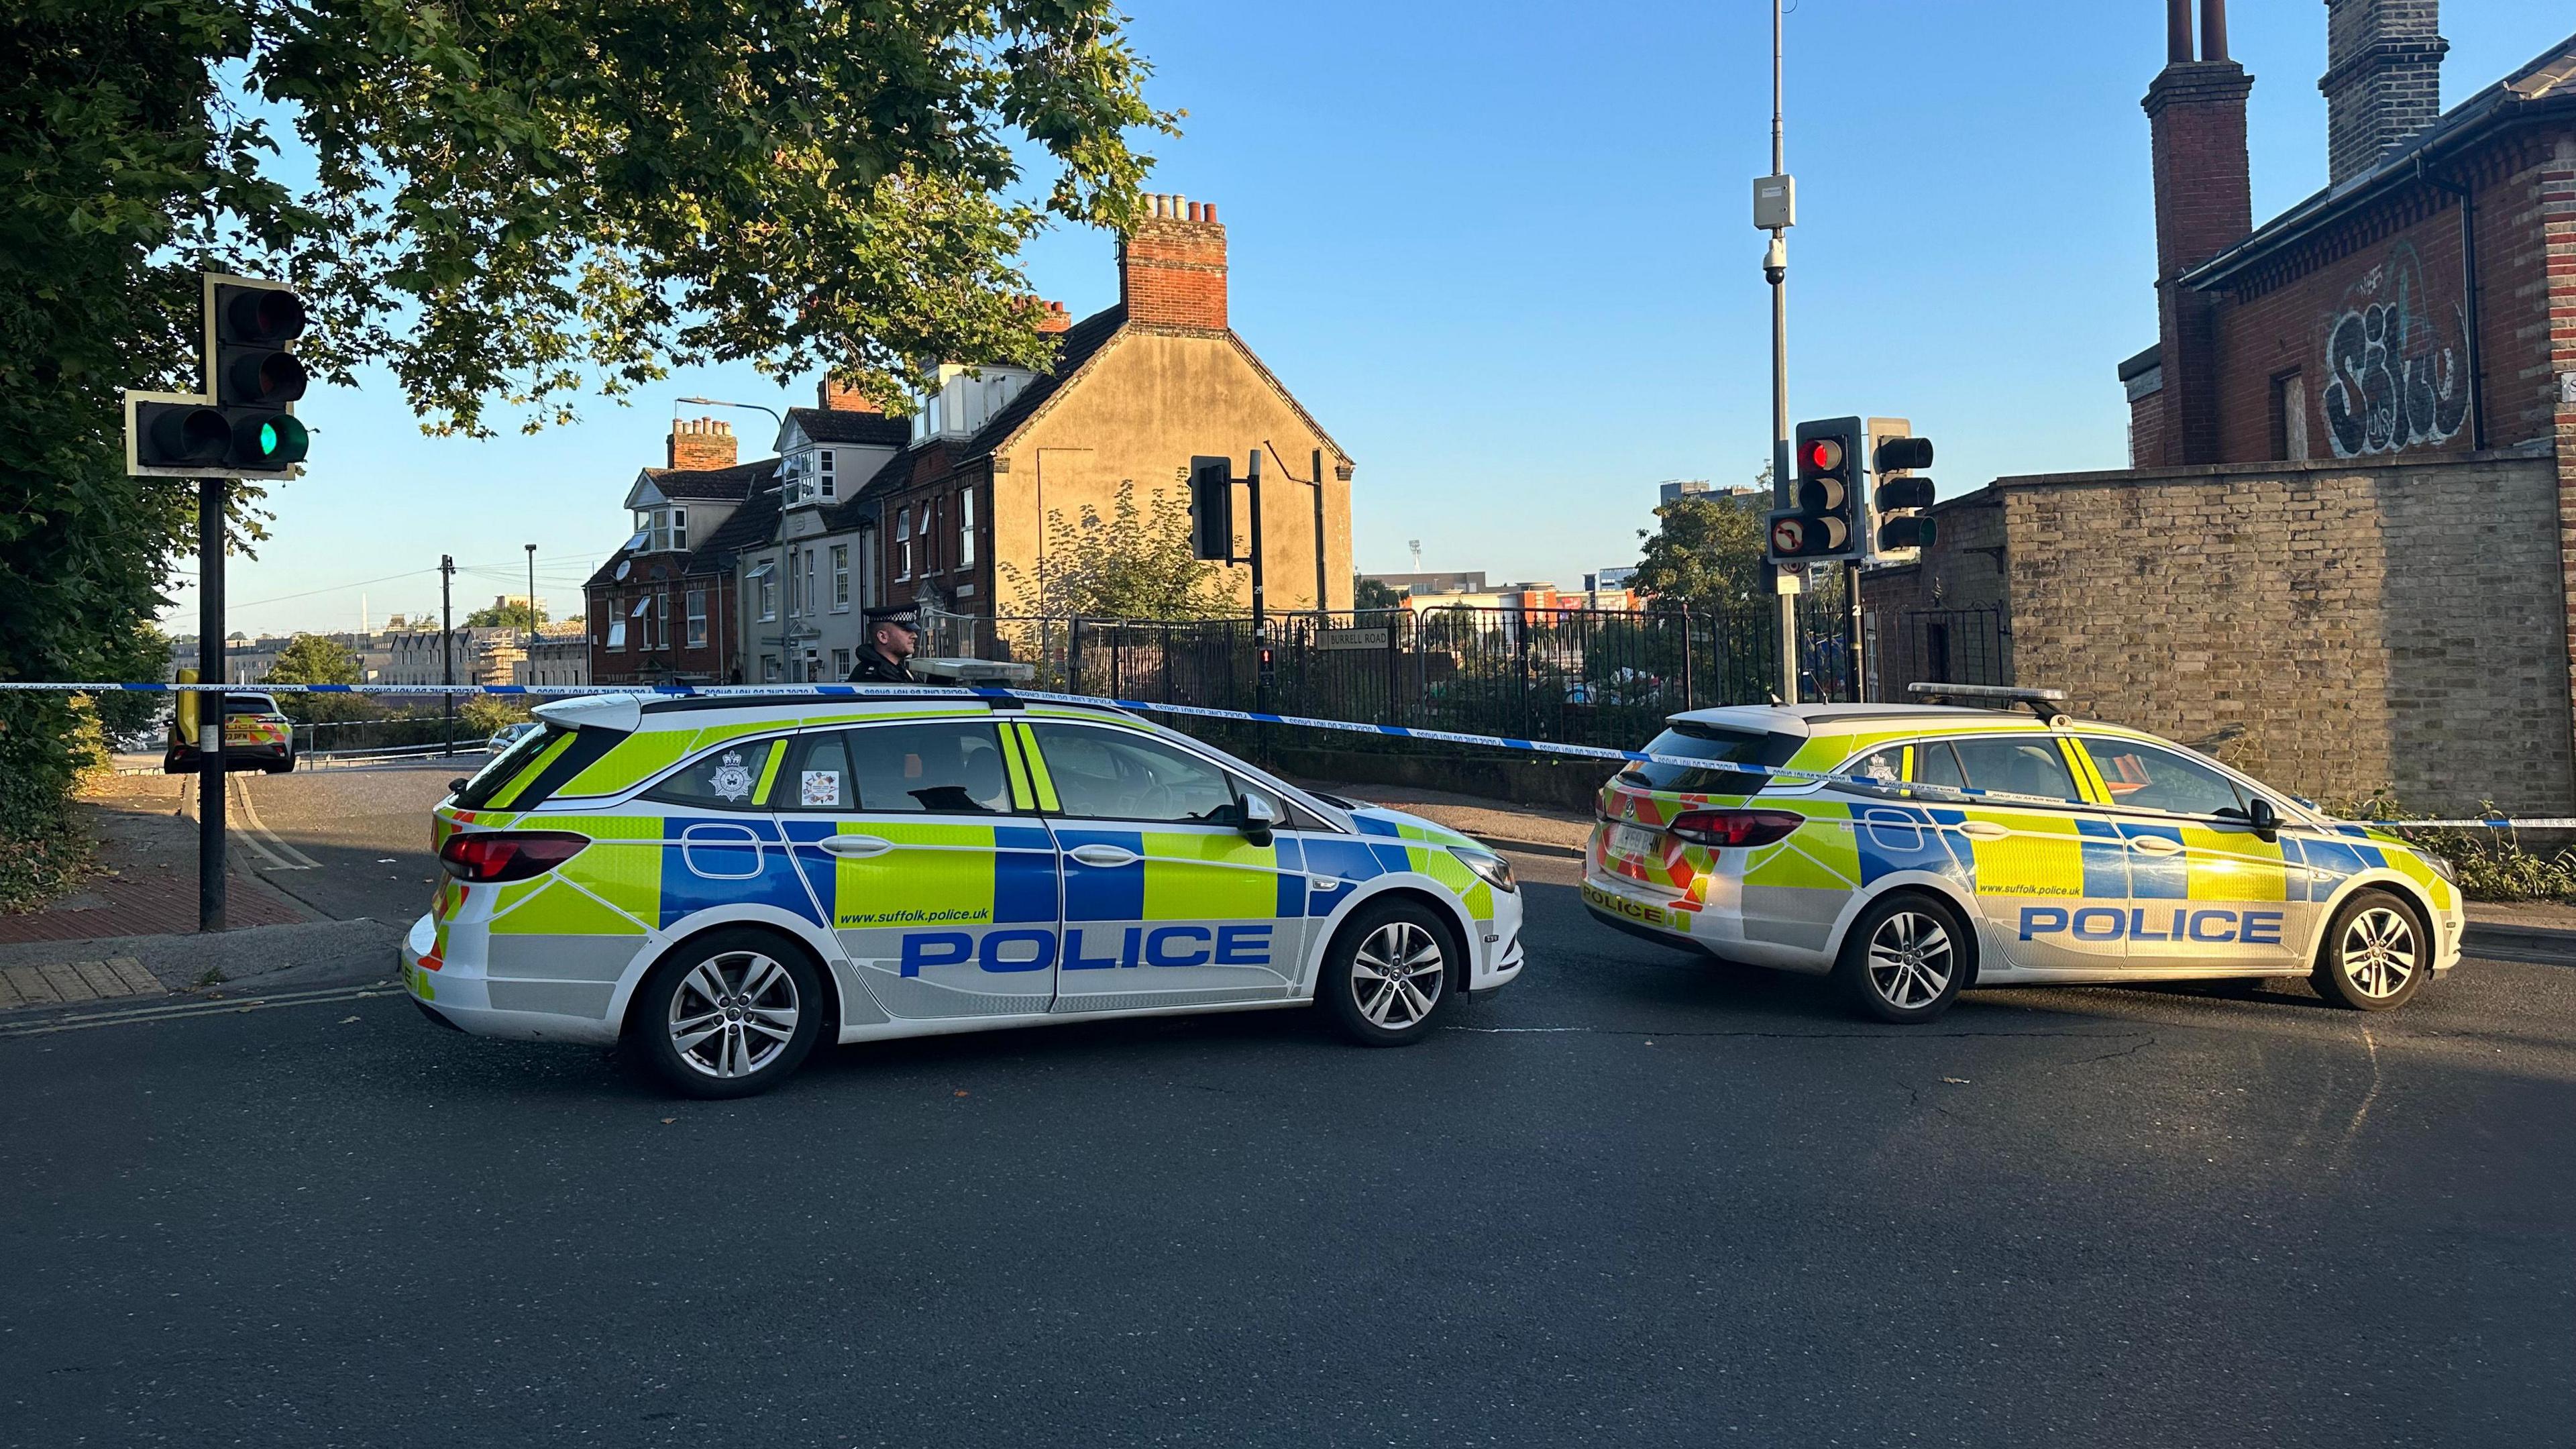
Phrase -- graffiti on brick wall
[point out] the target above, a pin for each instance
(2395, 377)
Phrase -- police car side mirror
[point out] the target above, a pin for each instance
(2265, 820)
(1259, 818)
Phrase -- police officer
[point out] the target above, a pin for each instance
(886, 657)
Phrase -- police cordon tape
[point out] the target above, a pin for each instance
(1195, 711)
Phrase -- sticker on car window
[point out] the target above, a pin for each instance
(822, 787)
(731, 778)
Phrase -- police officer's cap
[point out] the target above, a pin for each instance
(904, 615)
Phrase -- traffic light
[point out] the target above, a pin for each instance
(243, 425)
(1821, 525)
(1212, 509)
(1898, 498)
(255, 379)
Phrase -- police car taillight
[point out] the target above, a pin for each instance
(493, 856)
(1734, 829)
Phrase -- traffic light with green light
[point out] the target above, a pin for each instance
(243, 425)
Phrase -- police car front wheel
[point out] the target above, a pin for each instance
(2374, 956)
(728, 1014)
(1389, 973)
(1904, 958)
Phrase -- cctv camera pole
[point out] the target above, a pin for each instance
(1775, 267)
(210, 707)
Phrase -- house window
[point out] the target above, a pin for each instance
(903, 543)
(841, 577)
(680, 530)
(795, 602)
(617, 635)
(643, 610)
(769, 669)
(813, 600)
(697, 618)
(764, 584)
(966, 528)
(826, 484)
(840, 664)
(661, 530)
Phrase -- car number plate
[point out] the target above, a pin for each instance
(1633, 840)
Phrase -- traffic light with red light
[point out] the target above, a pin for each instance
(1898, 525)
(1822, 524)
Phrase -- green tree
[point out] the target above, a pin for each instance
(512, 614)
(1702, 554)
(1368, 593)
(1135, 564)
(498, 202)
(319, 659)
(485, 714)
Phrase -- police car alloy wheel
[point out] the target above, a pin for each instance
(1388, 975)
(1904, 958)
(729, 1014)
(2373, 957)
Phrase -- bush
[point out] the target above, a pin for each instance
(2491, 862)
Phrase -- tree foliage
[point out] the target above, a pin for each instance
(510, 614)
(1134, 564)
(319, 659)
(1368, 593)
(1703, 554)
(501, 202)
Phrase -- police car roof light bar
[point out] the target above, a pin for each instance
(2041, 702)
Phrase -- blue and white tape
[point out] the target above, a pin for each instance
(1195, 711)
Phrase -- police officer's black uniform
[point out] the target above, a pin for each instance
(873, 667)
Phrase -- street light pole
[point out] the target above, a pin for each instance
(532, 597)
(1775, 267)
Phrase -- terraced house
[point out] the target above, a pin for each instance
(950, 506)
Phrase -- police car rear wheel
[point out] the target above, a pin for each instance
(1904, 959)
(1388, 975)
(2373, 957)
(730, 1014)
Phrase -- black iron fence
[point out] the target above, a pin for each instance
(1578, 676)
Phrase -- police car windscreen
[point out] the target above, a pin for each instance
(1716, 744)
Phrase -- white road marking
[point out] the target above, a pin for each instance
(286, 856)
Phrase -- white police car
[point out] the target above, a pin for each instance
(726, 880)
(1914, 850)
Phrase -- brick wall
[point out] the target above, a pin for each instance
(2371, 320)
(1171, 267)
(2329, 628)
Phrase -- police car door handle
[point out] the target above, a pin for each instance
(1105, 856)
(855, 847)
(2154, 845)
(1984, 829)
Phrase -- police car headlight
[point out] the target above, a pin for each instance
(1492, 869)
(2441, 866)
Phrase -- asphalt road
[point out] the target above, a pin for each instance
(349, 841)
(1634, 1199)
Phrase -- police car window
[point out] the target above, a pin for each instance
(725, 778)
(1886, 766)
(951, 767)
(2142, 777)
(1114, 775)
(1717, 744)
(1937, 764)
(504, 767)
(2017, 767)
(815, 775)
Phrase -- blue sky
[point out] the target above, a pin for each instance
(1503, 251)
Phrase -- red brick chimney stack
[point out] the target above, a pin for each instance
(701, 443)
(1171, 267)
(2383, 80)
(839, 394)
(1053, 318)
(2204, 205)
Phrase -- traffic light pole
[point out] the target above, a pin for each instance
(210, 706)
(1775, 266)
(1260, 605)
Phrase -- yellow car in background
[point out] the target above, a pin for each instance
(1912, 851)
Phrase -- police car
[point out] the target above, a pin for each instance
(726, 880)
(1964, 846)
